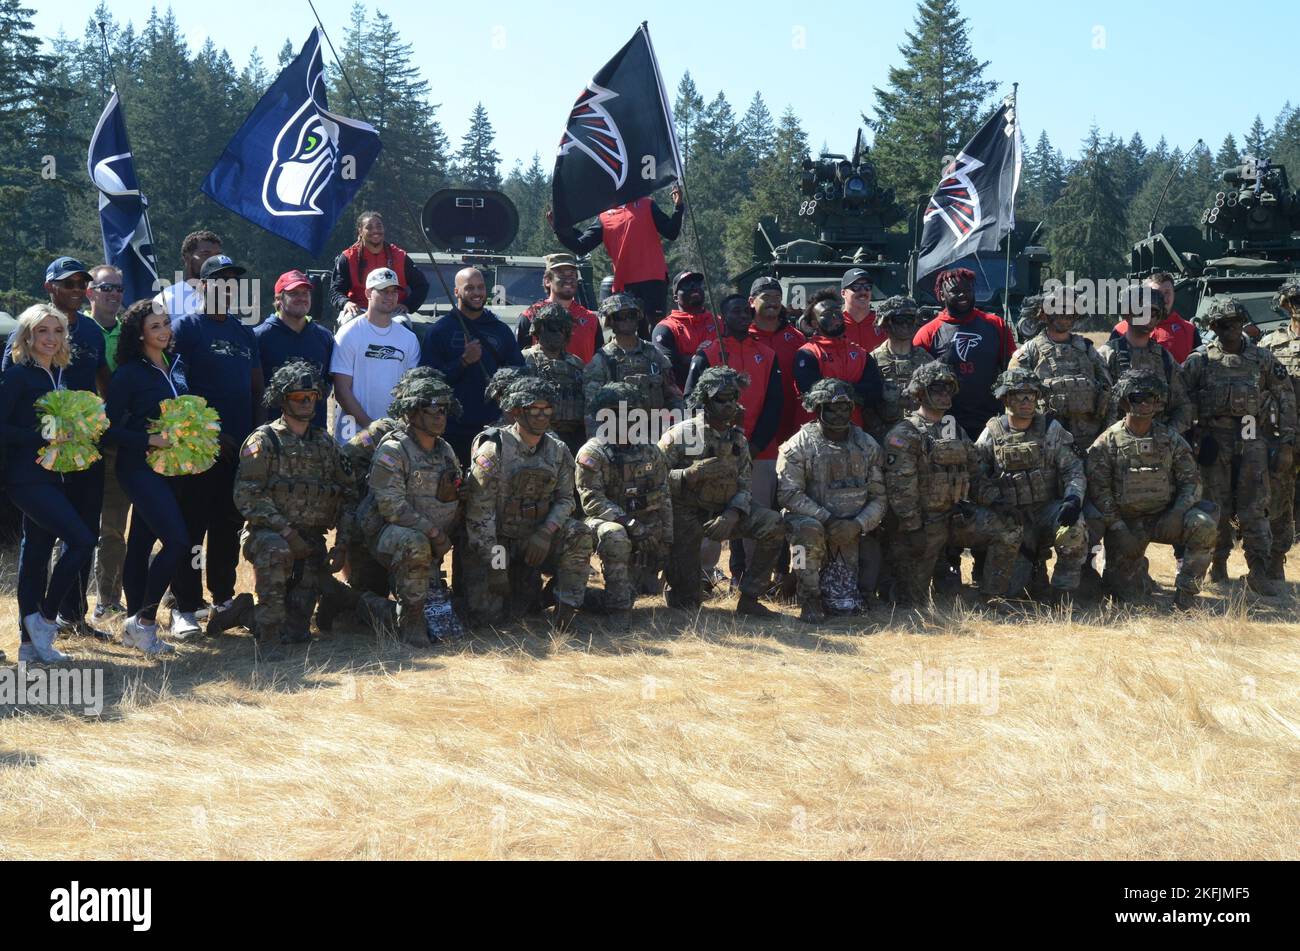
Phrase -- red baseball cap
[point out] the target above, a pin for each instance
(291, 280)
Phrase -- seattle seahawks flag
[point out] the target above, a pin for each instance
(123, 223)
(974, 205)
(293, 166)
(619, 144)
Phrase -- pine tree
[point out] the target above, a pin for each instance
(774, 194)
(933, 104)
(477, 163)
(757, 132)
(1087, 224)
(1257, 139)
(530, 189)
(1228, 154)
(715, 177)
(1043, 180)
(686, 109)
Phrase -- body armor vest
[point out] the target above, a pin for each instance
(842, 477)
(1069, 376)
(1229, 385)
(897, 372)
(525, 499)
(567, 380)
(636, 369)
(943, 466)
(631, 481)
(1143, 472)
(302, 485)
(1026, 476)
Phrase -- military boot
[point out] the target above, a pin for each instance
(1186, 600)
(237, 612)
(379, 613)
(411, 626)
(810, 610)
(563, 617)
(1219, 569)
(1277, 568)
(335, 599)
(751, 606)
(1258, 581)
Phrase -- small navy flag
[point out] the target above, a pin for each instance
(293, 166)
(974, 205)
(128, 244)
(619, 144)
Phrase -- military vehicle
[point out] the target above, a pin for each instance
(1246, 246)
(853, 219)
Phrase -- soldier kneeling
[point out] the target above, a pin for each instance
(623, 487)
(518, 517)
(1144, 481)
(832, 487)
(293, 485)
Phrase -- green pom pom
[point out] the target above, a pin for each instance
(72, 421)
(192, 428)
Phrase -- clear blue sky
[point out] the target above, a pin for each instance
(1161, 68)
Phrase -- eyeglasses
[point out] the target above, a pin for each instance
(308, 396)
(540, 410)
(108, 288)
(1023, 396)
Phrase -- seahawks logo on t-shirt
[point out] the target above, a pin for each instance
(377, 351)
(228, 348)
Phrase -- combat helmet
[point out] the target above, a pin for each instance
(1140, 381)
(501, 380)
(552, 316)
(296, 376)
(413, 393)
(1016, 379)
(898, 305)
(612, 304)
(612, 395)
(936, 371)
(829, 390)
(1290, 290)
(526, 391)
(1223, 309)
(712, 381)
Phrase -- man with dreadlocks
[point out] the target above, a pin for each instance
(293, 485)
(975, 345)
(415, 491)
(623, 486)
(551, 360)
(519, 508)
(709, 474)
(832, 487)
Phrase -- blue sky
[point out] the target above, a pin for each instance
(1163, 69)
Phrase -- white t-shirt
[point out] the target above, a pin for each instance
(376, 360)
(181, 299)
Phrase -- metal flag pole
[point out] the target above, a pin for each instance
(1006, 283)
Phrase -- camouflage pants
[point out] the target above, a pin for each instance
(1040, 536)
(617, 552)
(1237, 482)
(365, 573)
(915, 553)
(1124, 570)
(809, 555)
(683, 572)
(409, 558)
(490, 584)
(286, 588)
(1281, 513)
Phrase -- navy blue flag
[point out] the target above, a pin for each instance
(128, 243)
(293, 166)
(974, 205)
(619, 144)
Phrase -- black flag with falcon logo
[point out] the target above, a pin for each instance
(619, 143)
(974, 205)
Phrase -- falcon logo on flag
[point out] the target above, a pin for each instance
(592, 129)
(957, 201)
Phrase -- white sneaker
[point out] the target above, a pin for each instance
(42, 634)
(184, 625)
(144, 637)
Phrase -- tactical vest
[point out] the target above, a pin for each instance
(1143, 471)
(897, 373)
(943, 466)
(714, 494)
(432, 485)
(752, 358)
(528, 484)
(638, 369)
(567, 380)
(841, 476)
(302, 485)
(1068, 375)
(1026, 475)
(1229, 385)
(631, 481)
(1285, 347)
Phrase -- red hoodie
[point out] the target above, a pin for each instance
(1174, 333)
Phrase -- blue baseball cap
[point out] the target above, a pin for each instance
(65, 267)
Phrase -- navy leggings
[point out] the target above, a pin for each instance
(155, 516)
(85, 490)
(48, 515)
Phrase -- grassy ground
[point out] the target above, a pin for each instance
(1099, 733)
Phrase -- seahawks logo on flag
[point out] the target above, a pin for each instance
(592, 129)
(957, 202)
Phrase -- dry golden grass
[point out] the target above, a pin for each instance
(1125, 734)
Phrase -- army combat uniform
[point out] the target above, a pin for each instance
(364, 572)
(644, 366)
(896, 402)
(1119, 357)
(1076, 380)
(1284, 344)
(566, 374)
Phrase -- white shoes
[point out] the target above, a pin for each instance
(41, 647)
(184, 625)
(145, 637)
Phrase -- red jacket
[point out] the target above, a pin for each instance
(785, 342)
(687, 333)
(838, 358)
(866, 334)
(754, 359)
(632, 240)
(389, 256)
(1174, 333)
(586, 329)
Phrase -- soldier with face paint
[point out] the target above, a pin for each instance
(829, 355)
(898, 359)
(933, 480)
(832, 487)
(1231, 382)
(1284, 344)
(1136, 349)
(709, 474)
(687, 327)
(629, 359)
(551, 361)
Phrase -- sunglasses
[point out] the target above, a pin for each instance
(540, 410)
(437, 409)
(308, 396)
(860, 288)
(626, 315)
(1141, 397)
(108, 288)
(1023, 396)
(940, 388)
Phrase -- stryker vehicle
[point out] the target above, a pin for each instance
(851, 215)
(1247, 245)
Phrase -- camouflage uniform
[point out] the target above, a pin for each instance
(364, 572)
(513, 492)
(821, 482)
(1284, 344)
(1119, 356)
(931, 470)
(1148, 489)
(1231, 393)
(1036, 470)
(699, 497)
(565, 373)
(297, 485)
(897, 371)
(644, 366)
(625, 496)
(1076, 382)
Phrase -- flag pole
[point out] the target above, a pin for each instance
(1006, 283)
(681, 180)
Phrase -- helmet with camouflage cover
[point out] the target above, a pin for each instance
(1015, 380)
(936, 371)
(713, 381)
(296, 376)
(612, 395)
(1222, 310)
(526, 391)
(553, 316)
(829, 390)
(1289, 291)
(416, 392)
(898, 305)
(501, 380)
(1140, 381)
(612, 304)
(1031, 308)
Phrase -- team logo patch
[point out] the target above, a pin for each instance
(957, 201)
(964, 343)
(377, 352)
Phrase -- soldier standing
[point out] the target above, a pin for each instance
(832, 487)
(518, 517)
(1143, 480)
(709, 474)
(1230, 383)
(623, 486)
(293, 485)
(1284, 344)
(629, 359)
(551, 361)
(415, 486)
(1040, 477)
(898, 359)
(1136, 350)
(931, 471)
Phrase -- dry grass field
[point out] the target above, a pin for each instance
(1102, 733)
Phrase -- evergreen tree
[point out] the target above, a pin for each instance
(688, 106)
(757, 132)
(1257, 139)
(774, 195)
(477, 163)
(530, 189)
(1228, 154)
(933, 104)
(1042, 182)
(1087, 224)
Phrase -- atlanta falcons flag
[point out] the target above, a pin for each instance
(974, 205)
(619, 144)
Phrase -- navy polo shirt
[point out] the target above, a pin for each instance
(278, 344)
